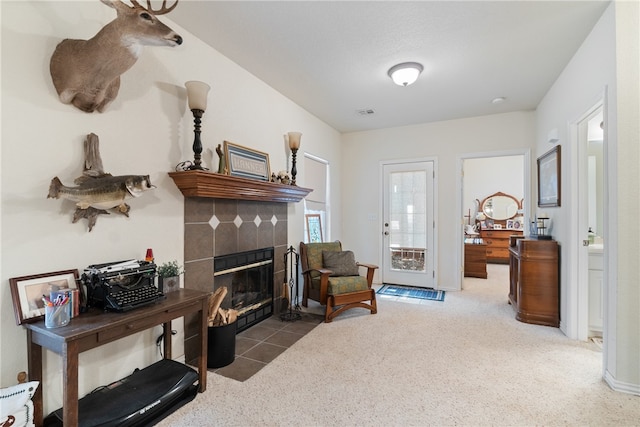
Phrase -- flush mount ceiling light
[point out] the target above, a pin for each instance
(406, 73)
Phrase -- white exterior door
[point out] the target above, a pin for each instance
(408, 224)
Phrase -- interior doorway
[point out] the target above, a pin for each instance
(591, 211)
(483, 174)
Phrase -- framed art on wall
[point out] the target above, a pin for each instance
(27, 292)
(247, 163)
(549, 178)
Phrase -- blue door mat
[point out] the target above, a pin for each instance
(411, 292)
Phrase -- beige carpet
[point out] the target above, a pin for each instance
(465, 361)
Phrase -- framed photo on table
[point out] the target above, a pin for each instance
(247, 163)
(549, 178)
(27, 292)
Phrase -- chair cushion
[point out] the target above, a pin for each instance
(342, 263)
(343, 284)
(314, 254)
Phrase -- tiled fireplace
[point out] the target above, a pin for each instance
(226, 215)
(216, 227)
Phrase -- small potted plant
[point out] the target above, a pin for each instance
(169, 276)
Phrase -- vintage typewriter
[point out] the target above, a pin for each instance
(122, 285)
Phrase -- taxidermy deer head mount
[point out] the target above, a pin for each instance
(86, 73)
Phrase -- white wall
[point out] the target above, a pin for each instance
(576, 90)
(487, 175)
(623, 367)
(147, 130)
(446, 142)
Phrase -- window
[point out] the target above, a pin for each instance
(316, 176)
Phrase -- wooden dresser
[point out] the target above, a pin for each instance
(534, 288)
(475, 260)
(497, 242)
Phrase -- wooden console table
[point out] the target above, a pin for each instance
(96, 328)
(534, 289)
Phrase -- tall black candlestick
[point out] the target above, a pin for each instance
(197, 144)
(293, 166)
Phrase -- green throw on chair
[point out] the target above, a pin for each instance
(332, 277)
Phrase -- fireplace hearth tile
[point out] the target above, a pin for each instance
(273, 322)
(262, 343)
(257, 332)
(264, 352)
(302, 327)
(244, 344)
(284, 338)
(241, 369)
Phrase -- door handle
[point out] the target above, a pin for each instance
(585, 243)
(386, 233)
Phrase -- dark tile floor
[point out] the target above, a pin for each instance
(260, 344)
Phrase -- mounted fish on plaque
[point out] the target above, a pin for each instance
(96, 190)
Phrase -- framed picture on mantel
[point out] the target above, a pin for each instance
(549, 178)
(247, 163)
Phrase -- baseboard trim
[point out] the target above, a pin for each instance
(621, 386)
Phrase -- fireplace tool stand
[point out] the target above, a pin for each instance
(291, 258)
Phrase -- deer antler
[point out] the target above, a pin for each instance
(162, 11)
(164, 8)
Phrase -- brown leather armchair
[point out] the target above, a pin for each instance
(332, 277)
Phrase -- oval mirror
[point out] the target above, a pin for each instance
(500, 206)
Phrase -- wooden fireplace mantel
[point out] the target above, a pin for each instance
(195, 183)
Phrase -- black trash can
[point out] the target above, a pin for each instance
(221, 347)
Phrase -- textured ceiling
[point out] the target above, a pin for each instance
(332, 57)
